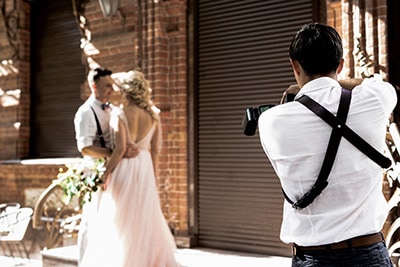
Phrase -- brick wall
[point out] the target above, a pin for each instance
(23, 182)
(367, 21)
(14, 79)
(334, 14)
(150, 37)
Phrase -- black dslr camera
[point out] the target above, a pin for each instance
(250, 119)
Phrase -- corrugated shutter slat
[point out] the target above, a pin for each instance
(242, 61)
(57, 74)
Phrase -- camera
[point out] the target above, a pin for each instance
(250, 119)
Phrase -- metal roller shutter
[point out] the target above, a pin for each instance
(57, 74)
(242, 61)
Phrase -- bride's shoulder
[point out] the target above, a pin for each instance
(117, 114)
(116, 110)
(156, 112)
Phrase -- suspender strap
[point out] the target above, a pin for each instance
(330, 155)
(335, 138)
(339, 129)
(99, 131)
(346, 132)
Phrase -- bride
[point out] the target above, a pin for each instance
(128, 228)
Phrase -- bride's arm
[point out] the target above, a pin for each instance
(119, 150)
(131, 150)
(156, 146)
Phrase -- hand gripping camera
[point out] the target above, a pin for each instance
(250, 119)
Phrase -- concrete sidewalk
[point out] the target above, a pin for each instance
(199, 257)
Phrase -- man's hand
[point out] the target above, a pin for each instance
(131, 151)
(104, 180)
(291, 90)
(350, 83)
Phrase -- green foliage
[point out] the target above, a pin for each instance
(81, 179)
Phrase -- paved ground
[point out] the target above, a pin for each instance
(186, 257)
(216, 258)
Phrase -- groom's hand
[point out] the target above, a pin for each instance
(131, 151)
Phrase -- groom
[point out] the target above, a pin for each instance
(92, 132)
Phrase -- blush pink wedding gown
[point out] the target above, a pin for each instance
(128, 228)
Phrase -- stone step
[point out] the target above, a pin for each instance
(60, 257)
(67, 256)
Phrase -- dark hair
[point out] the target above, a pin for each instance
(100, 72)
(318, 48)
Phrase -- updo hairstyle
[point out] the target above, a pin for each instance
(136, 88)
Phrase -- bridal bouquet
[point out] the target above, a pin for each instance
(81, 179)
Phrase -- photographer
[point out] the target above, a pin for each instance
(341, 226)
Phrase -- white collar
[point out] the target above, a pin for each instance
(316, 85)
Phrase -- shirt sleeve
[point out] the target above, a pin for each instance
(386, 92)
(85, 128)
(265, 132)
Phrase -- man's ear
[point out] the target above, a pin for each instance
(94, 87)
(340, 67)
(296, 66)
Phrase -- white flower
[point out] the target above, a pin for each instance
(81, 179)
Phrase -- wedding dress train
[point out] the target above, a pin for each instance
(127, 227)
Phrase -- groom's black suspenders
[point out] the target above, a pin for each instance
(340, 129)
(99, 131)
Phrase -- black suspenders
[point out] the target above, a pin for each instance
(339, 130)
(99, 131)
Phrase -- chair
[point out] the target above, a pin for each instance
(54, 217)
(8, 206)
(13, 226)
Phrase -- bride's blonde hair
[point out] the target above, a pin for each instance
(137, 89)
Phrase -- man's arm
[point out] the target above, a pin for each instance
(347, 84)
(104, 152)
(96, 152)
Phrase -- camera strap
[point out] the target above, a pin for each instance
(339, 129)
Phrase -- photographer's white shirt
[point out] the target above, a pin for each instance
(295, 140)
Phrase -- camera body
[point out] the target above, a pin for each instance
(250, 119)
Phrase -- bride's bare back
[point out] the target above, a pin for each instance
(139, 122)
